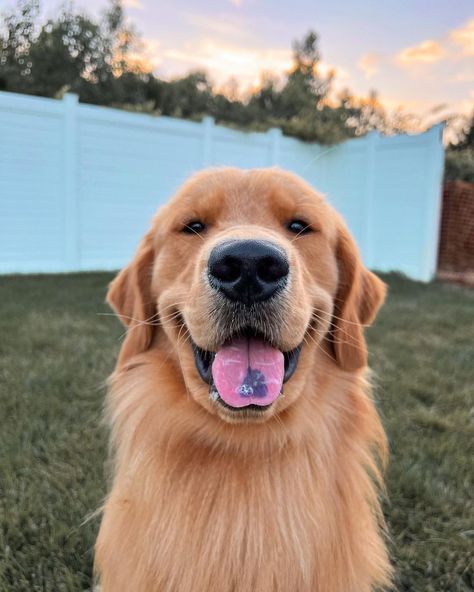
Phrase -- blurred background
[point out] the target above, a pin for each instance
(107, 106)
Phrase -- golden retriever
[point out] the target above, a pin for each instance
(246, 445)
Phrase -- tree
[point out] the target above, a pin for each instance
(305, 87)
(306, 108)
(300, 105)
(185, 97)
(466, 136)
(460, 155)
(366, 113)
(16, 38)
(70, 51)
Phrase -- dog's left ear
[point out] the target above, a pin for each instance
(131, 298)
(359, 296)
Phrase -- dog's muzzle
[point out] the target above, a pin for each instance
(248, 369)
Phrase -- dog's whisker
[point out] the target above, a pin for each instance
(318, 345)
(192, 230)
(350, 338)
(332, 315)
(298, 235)
(170, 317)
(172, 304)
(125, 317)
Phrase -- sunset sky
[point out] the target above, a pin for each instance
(417, 54)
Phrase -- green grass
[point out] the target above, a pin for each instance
(56, 351)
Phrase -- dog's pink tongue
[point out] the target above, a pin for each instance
(248, 371)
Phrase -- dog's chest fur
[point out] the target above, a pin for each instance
(209, 520)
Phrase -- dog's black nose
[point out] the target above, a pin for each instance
(248, 270)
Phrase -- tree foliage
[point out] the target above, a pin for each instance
(459, 163)
(69, 52)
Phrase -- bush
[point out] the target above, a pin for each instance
(459, 165)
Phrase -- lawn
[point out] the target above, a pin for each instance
(56, 350)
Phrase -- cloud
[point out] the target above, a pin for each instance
(146, 58)
(368, 63)
(457, 43)
(224, 61)
(427, 52)
(220, 25)
(137, 4)
(427, 107)
(236, 2)
(466, 107)
(340, 75)
(464, 37)
(464, 76)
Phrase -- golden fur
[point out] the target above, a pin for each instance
(207, 500)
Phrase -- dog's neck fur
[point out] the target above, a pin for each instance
(231, 513)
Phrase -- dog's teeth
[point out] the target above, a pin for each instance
(214, 395)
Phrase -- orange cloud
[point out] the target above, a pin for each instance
(368, 63)
(246, 64)
(147, 54)
(226, 61)
(427, 52)
(464, 36)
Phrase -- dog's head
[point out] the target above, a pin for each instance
(245, 281)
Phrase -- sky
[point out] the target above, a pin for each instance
(417, 54)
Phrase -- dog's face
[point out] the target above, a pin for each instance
(248, 279)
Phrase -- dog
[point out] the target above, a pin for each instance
(247, 452)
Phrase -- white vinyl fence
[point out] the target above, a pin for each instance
(79, 183)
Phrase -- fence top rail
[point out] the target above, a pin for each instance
(32, 103)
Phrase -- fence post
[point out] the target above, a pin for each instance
(274, 136)
(72, 258)
(208, 129)
(435, 167)
(368, 254)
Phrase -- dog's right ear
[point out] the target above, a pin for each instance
(131, 298)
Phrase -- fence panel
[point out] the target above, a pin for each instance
(79, 183)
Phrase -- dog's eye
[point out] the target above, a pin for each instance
(299, 227)
(194, 227)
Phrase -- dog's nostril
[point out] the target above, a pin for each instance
(272, 269)
(227, 269)
(248, 270)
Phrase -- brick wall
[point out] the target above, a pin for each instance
(456, 246)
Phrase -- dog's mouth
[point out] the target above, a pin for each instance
(247, 372)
